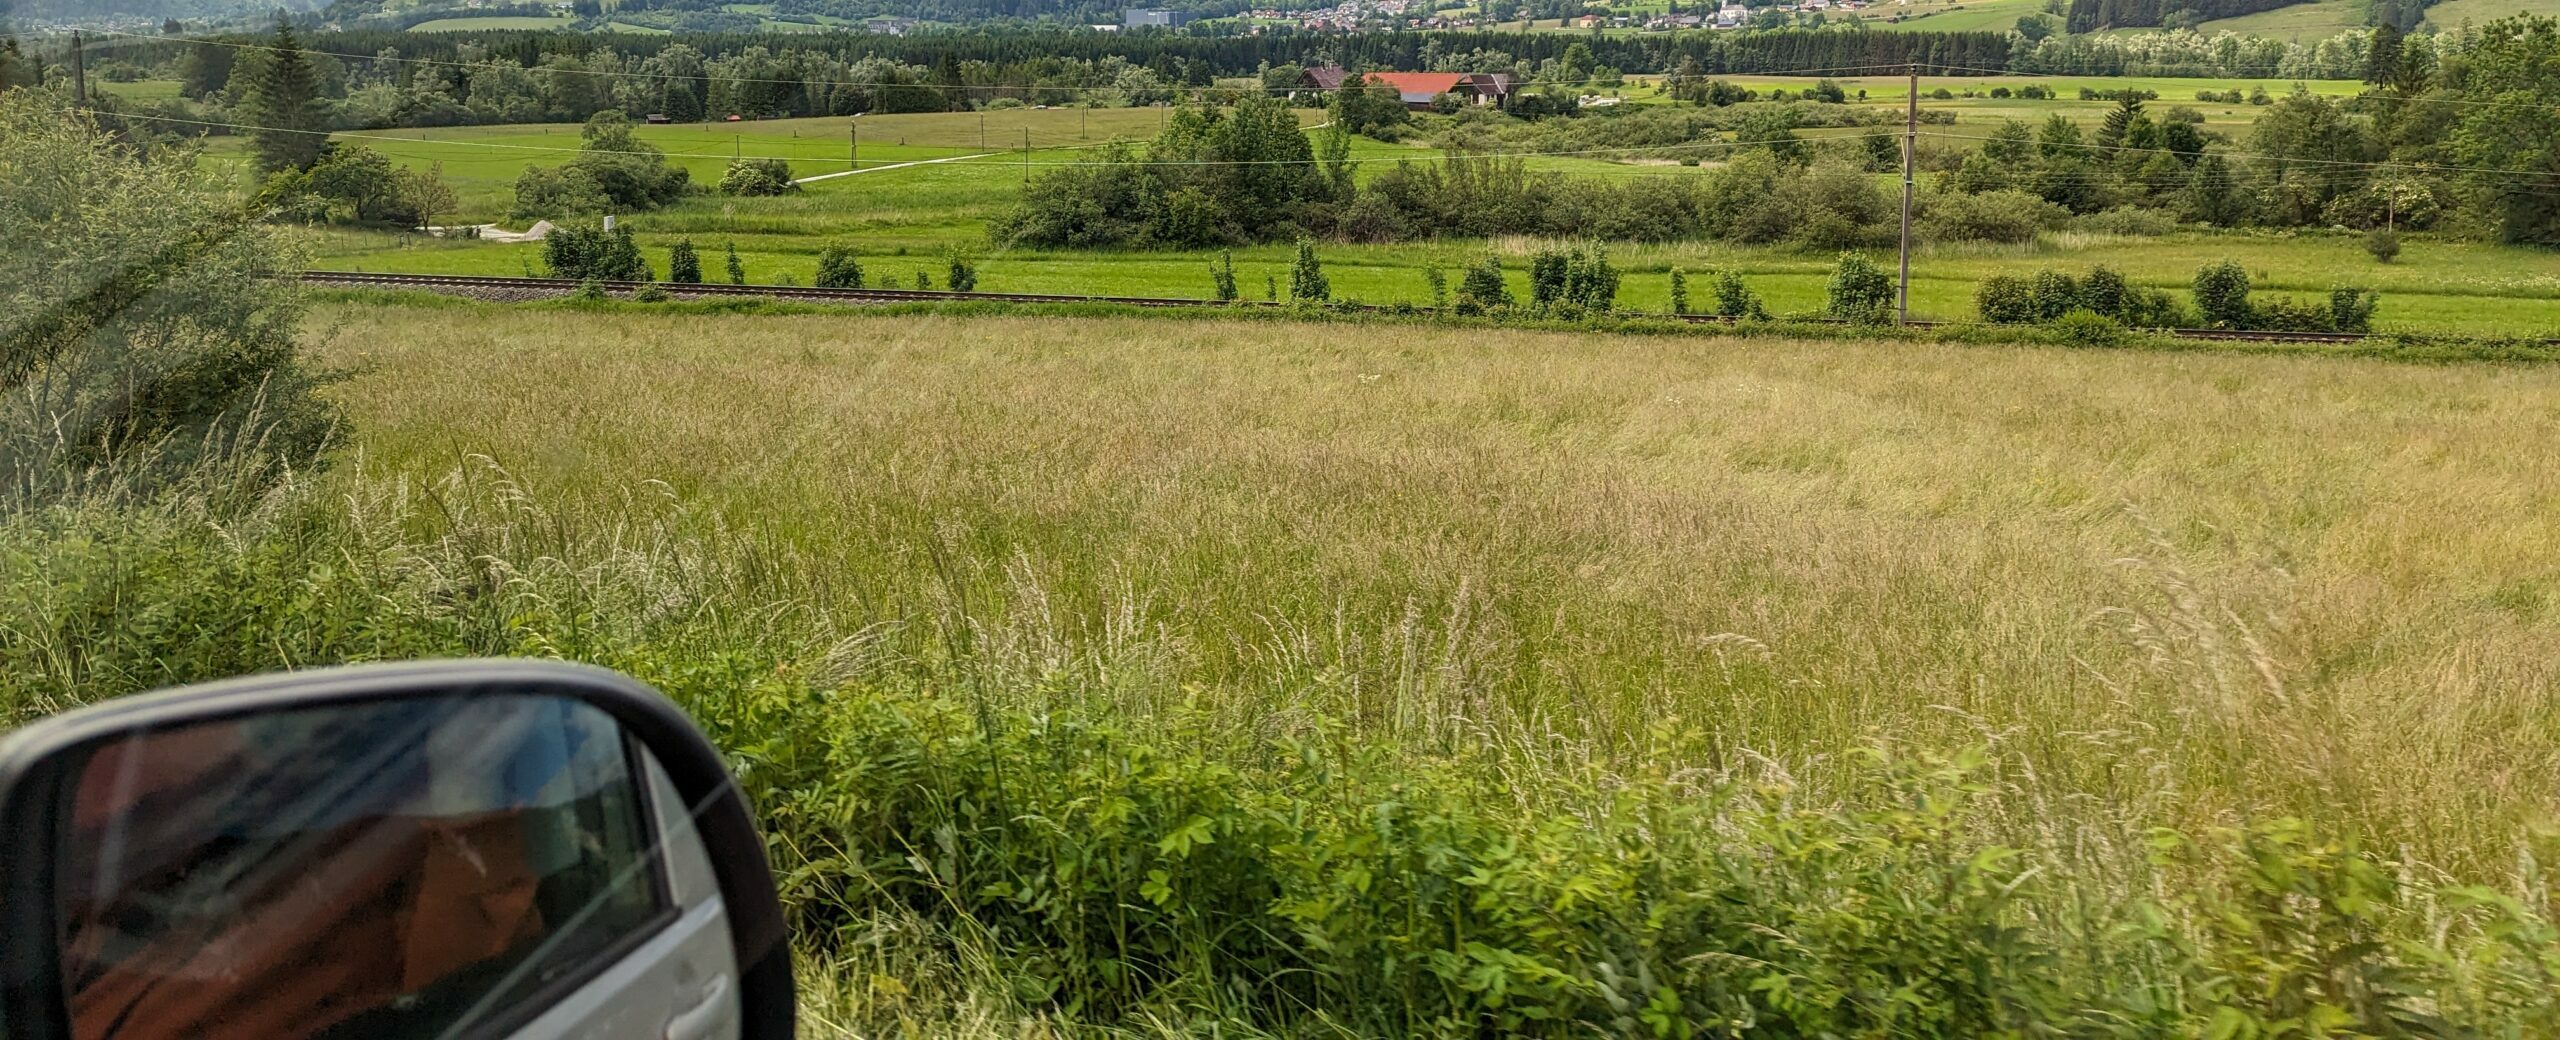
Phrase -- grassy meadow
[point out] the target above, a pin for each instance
(1190, 638)
(1126, 676)
(2184, 585)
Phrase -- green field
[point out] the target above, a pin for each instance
(904, 219)
(1951, 15)
(2321, 19)
(2451, 14)
(1975, 114)
(488, 23)
(147, 90)
(2306, 22)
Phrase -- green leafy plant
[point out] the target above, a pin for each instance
(838, 268)
(1307, 283)
(1859, 291)
(684, 267)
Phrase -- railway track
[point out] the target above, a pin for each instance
(514, 289)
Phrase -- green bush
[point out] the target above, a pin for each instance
(838, 268)
(594, 254)
(1306, 277)
(1546, 277)
(1222, 277)
(754, 177)
(1482, 288)
(2221, 292)
(2383, 243)
(2005, 299)
(146, 338)
(2351, 309)
(2083, 327)
(684, 266)
(1590, 281)
(1993, 216)
(1859, 291)
(2052, 294)
(1734, 299)
(960, 272)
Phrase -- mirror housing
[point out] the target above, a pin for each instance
(41, 765)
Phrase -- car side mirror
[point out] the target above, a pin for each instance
(442, 849)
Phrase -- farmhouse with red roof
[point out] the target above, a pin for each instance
(1418, 88)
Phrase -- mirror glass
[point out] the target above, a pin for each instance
(416, 867)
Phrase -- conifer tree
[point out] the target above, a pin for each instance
(283, 101)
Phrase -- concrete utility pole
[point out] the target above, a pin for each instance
(1910, 146)
(79, 73)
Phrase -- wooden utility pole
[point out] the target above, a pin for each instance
(853, 144)
(79, 73)
(1026, 157)
(1910, 146)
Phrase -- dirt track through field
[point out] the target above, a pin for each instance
(891, 166)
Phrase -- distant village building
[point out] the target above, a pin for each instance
(890, 26)
(1417, 89)
(1154, 17)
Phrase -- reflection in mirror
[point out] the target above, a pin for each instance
(400, 868)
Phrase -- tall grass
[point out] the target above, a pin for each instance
(998, 827)
(1191, 678)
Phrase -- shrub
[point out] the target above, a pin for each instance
(2052, 294)
(145, 338)
(1482, 288)
(961, 272)
(837, 268)
(683, 266)
(1993, 216)
(2087, 328)
(2153, 309)
(757, 177)
(1679, 292)
(2005, 299)
(1859, 291)
(924, 282)
(592, 253)
(2221, 293)
(543, 191)
(1546, 277)
(1438, 284)
(737, 270)
(1222, 277)
(650, 293)
(2351, 310)
(1735, 299)
(2130, 221)
(2282, 314)
(613, 170)
(2383, 243)
(1307, 283)
(1590, 282)
(2105, 292)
